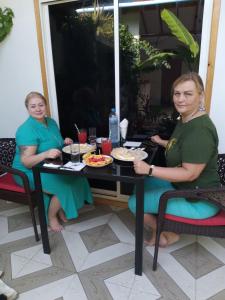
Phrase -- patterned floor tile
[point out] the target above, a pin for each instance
(82, 258)
(67, 288)
(29, 260)
(98, 248)
(204, 262)
(99, 237)
(131, 284)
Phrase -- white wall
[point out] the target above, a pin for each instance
(19, 66)
(217, 111)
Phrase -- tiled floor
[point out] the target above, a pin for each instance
(93, 258)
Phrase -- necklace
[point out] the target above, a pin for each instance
(190, 117)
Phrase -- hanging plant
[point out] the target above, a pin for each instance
(6, 23)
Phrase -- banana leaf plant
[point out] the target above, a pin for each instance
(189, 52)
(6, 23)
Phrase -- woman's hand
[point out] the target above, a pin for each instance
(68, 141)
(157, 139)
(53, 153)
(141, 167)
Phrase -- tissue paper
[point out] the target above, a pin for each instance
(123, 128)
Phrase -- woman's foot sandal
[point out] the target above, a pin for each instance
(54, 225)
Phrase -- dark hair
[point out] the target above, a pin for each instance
(192, 76)
(32, 95)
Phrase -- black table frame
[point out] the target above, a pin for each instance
(97, 173)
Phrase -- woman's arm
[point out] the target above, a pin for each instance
(157, 139)
(29, 157)
(187, 172)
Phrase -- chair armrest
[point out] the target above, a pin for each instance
(19, 173)
(213, 195)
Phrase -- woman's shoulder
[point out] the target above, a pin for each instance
(51, 121)
(25, 128)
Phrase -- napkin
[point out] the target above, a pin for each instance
(132, 144)
(72, 167)
(51, 165)
(123, 128)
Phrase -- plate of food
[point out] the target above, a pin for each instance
(125, 154)
(97, 160)
(84, 148)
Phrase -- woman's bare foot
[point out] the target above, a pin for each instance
(162, 241)
(62, 216)
(171, 237)
(55, 225)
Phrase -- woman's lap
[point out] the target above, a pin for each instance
(154, 188)
(72, 191)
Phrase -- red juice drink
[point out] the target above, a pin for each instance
(82, 136)
(106, 146)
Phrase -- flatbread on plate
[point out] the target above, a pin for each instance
(125, 154)
(84, 148)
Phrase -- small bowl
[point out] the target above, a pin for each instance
(99, 140)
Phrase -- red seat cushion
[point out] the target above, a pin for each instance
(217, 220)
(8, 183)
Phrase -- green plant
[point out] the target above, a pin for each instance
(190, 51)
(6, 23)
(144, 56)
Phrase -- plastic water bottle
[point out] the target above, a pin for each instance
(113, 127)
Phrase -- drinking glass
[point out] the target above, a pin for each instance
(75, 155)
(106, 146)
(92, 135)
(82, 136)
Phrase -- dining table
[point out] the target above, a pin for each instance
(116, 171)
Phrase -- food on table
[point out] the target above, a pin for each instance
(84, 148)
(128, 154)
(97, 160)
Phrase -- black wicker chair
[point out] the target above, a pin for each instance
(9, 190)
(213, 227)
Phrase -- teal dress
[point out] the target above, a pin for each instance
(72, 191)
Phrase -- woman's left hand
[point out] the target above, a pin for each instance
(68, 141)
(141, 167)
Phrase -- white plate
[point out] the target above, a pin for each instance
(125, 154)
(84, 148)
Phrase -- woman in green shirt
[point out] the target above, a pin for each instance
(191, 156)
(37, 139)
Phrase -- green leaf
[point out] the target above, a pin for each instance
(156, 61)
(6, 23)
(180, 31)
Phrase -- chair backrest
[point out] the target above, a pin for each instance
(221, 168)
(7, 151)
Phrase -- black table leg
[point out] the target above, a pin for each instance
(41, 211)
(139, 227)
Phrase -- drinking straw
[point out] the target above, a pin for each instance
(76, 128)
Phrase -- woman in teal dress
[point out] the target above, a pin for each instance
(37, 139)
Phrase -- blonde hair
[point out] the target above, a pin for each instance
(33, 95)
(192, 76)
